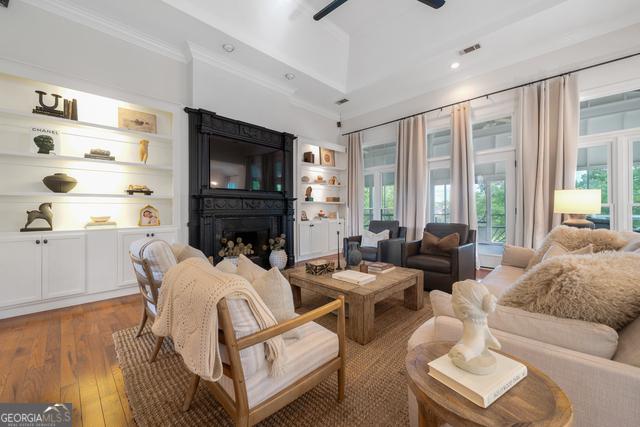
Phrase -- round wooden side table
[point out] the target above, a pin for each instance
(534, 401)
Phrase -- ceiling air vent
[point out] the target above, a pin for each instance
(470, 49)
(342, 101)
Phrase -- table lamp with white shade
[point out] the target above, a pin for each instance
(576, 205)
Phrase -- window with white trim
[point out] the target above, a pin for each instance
(609, 157)
(379, 182)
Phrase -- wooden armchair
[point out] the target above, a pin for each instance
(239, 406)
(148, 290)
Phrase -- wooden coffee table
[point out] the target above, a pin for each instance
(534, 401)
(361, 298)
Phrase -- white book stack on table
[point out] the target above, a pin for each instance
(354, 277)
(482, 390)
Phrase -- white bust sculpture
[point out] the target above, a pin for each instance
(472, 303)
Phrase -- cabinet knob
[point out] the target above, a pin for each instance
(153, 234)
(45, 241)
(311, 225)
(147, 234)
(37, 242)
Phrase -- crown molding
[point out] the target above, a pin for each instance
(108, 26)
(314, 108)
(217, 60)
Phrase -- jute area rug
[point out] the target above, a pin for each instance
(376, 386)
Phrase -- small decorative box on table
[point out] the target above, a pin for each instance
(320, 266)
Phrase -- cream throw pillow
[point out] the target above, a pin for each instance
(371, 239)
(248, 269)
(629, 344)
(182, 252)
(599, 288)
(575, 238)
(275, 291)
(556, 249)
(516, 256)
(227, 266)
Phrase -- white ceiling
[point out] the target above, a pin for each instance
(373, 52)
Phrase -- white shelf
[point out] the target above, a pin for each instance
(97, 195)
(83, 159)
(75, 123)
(322, 167)
(322, 184)
(322, 203)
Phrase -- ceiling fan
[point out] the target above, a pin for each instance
(436, 4)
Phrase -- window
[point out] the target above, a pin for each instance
(380, 182)
(492, 134)
(491, 202)
(495, 182)
(593, 173)
(610, 113)
(609, 157)
(439, 143)
(368, 200)
(388, 205)
(440, 194)
(635, 209)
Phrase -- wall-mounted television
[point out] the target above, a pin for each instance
(239, 165)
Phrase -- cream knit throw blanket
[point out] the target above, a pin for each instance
(188, 313)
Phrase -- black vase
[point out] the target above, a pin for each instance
(355, 256)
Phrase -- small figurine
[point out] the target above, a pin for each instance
(307, 194)
(322, 214)
(333, 180)
(134, 188)
(472, 303)
(303, 216)
(44, 212)
(144, 150)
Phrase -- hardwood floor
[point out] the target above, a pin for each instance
(67, 355)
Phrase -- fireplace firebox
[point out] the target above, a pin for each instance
(240, 184)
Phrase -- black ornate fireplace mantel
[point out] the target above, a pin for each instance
(215, 213)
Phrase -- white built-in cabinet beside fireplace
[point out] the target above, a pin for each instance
(318, 236)
(73, 264)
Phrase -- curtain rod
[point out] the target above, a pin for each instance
(599, 64)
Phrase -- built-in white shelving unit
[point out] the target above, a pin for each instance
(319, 236)
(72, 264)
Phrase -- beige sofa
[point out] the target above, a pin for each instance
(591, 362)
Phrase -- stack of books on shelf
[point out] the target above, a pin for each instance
(380, 267)
(482, 390)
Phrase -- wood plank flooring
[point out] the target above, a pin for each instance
(67, 355)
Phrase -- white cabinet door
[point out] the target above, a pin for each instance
(102, 260)
(304, 239)
(334, 241)
(319, 237)
(63, 264)
(21, 269)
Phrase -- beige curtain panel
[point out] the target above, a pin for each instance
(355, 183)
(547, 138)
(463, 196)
(411, 175)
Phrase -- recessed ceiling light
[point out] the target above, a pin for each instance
(289, 76)
(228, 47)
(455, 65)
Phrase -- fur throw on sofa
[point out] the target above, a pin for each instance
(599, 288)
(576, 238)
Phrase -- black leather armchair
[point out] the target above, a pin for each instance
(387, 250)
(441, 271)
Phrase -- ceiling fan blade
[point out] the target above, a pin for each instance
(328, 9)
(436, 4)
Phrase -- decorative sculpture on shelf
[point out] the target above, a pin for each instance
(144, 150)
(307, 194)
(472, 303)
(60, 182)
(44, 143)
(69, 111)
(134, 188)
(44, 212)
